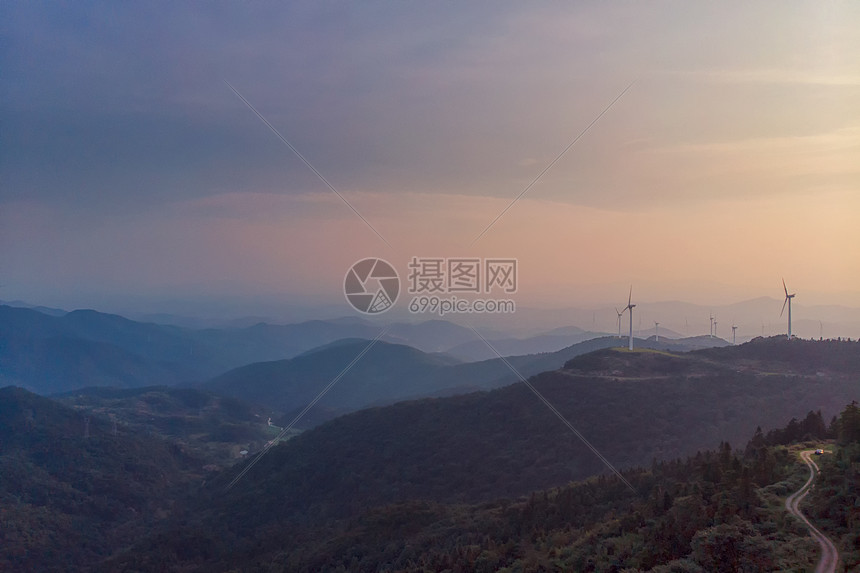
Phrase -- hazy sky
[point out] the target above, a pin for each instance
(128, 167)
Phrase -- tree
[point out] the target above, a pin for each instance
(813, 426)
(849, 424)
(727, 548)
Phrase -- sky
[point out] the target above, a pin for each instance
(133, 175)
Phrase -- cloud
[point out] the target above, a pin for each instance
(811, 77)
(128, 164)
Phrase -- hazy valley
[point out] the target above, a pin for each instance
(204, 477)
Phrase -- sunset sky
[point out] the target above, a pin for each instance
(130, 172)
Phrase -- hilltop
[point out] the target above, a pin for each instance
(759, 357)
(798, 356)
(387, 372)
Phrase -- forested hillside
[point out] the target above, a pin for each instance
(216, 428)
(717, 511)
(73, 490)
(484, 481)
(482, 446)
(835, 501)
(388, 373)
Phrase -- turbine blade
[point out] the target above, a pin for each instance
(783, 306)
(784, 287)
(630, 296)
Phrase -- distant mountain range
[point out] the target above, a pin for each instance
(62, 351)
(57, 352)
(475, 350)
(389, 372)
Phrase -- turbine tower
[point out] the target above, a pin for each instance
(619, 320)
(715, 328)
(630, 307)
(656, 331)
(788, 298)
(734, 331)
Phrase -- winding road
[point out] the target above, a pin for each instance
(829, 553)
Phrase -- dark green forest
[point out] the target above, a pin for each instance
(835, 501)
(481, 482)
(215, 428)
(717, 511)
(73, 489)
(504, 443)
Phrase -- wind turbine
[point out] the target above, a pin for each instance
(619, 320)
(711, 331)
(734, 331)
(715, 328)
(630, 306)
(656, 331)
(788, 298)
